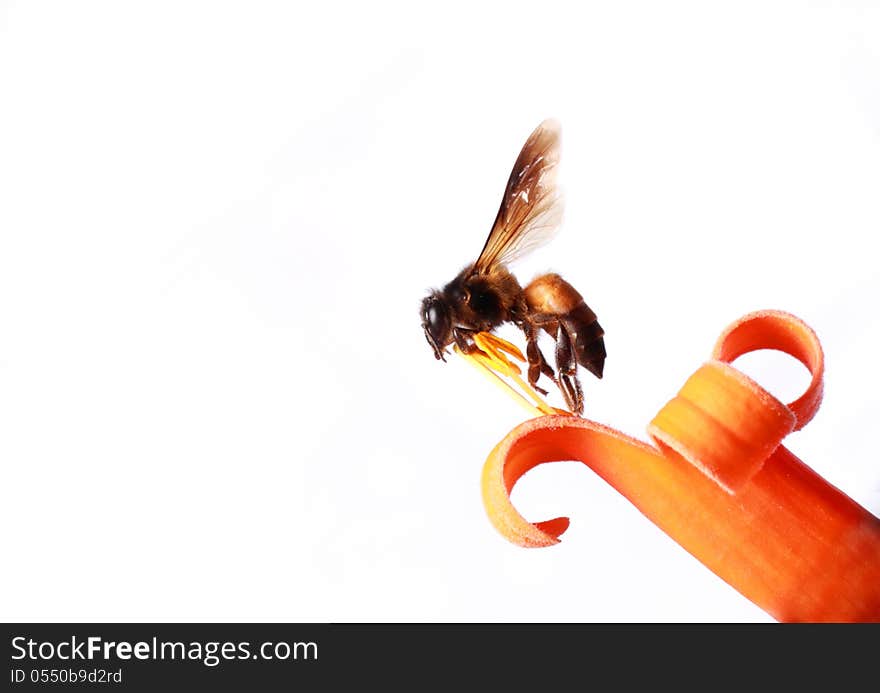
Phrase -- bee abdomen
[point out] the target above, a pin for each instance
(589, 342)
(551, 295)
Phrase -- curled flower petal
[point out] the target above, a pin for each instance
(719, 482)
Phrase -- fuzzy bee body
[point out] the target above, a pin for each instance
(485, 294)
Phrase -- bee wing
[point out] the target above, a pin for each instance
(531, 209)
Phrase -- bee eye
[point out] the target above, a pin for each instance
(433, 316)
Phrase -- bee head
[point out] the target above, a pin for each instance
(437, 323)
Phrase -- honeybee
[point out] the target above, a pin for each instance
(485, 294)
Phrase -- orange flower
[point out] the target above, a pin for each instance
(720, 483)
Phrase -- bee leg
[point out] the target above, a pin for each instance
(537, 363)
(566, 366)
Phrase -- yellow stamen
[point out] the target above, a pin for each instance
(498, 343)
(492, 358)
(530, 391)
(480, 363)
(496, 357)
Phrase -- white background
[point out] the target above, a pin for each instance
(217, 221)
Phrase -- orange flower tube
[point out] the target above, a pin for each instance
(719, 482)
